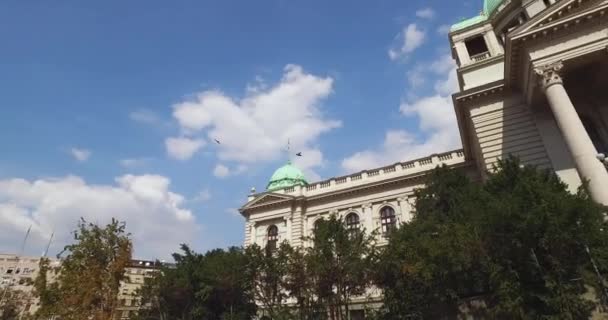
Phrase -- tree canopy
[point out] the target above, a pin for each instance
(519, 246)
(214, 285)
(88, 279)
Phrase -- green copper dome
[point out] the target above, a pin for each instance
(286, 176)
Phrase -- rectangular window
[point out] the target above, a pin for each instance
(357, 314)
(477, 48)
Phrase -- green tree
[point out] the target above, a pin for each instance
(299, 284)
(88, 279)
(340, 265)
(515, 244)
(432, 261)
(46, 290)
(267, 270)
(12, 303)
(209, 286)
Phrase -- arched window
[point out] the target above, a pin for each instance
(316, 224)
(352, 222)
(387, 219)
(273, 237)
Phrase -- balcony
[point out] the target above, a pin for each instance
(480, 56)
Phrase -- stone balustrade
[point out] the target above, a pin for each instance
(372, 175)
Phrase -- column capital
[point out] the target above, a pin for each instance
(549, 74)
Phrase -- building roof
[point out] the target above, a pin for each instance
(489, 7)
(468, 22)
(286, 176)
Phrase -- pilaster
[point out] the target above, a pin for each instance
(297, 226)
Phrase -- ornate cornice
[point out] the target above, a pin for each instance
(564, 19)
(485, 91)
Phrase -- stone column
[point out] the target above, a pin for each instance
(288, 234)
(573, 131)
(253, 233)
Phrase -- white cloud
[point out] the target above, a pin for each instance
(221, 171)
(416, 76)
(80, 155)
(449, 85)
(425, 13)
(444, 65)
(256, 128)
(145, 116)
(203, 196)
(408, 40)
(183, 148)
(443, 29)
(437, 129)
(154, 215)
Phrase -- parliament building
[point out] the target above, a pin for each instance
(533, 83)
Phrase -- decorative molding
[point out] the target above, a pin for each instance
(549, 74)
(489, 90)
(559, 21)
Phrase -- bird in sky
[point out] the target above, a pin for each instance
(299, 154)
(217, 141)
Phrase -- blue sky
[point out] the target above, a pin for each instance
(110, 108)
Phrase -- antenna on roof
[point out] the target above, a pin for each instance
(46, 251)
(27, 235)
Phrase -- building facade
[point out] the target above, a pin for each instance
(128, 295)
(533, 83)
(17, 274)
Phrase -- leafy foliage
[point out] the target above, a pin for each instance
(88, 279)
(12, 304)
(514, 247)
(209, 286)
(341, 262)
(267, 269)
